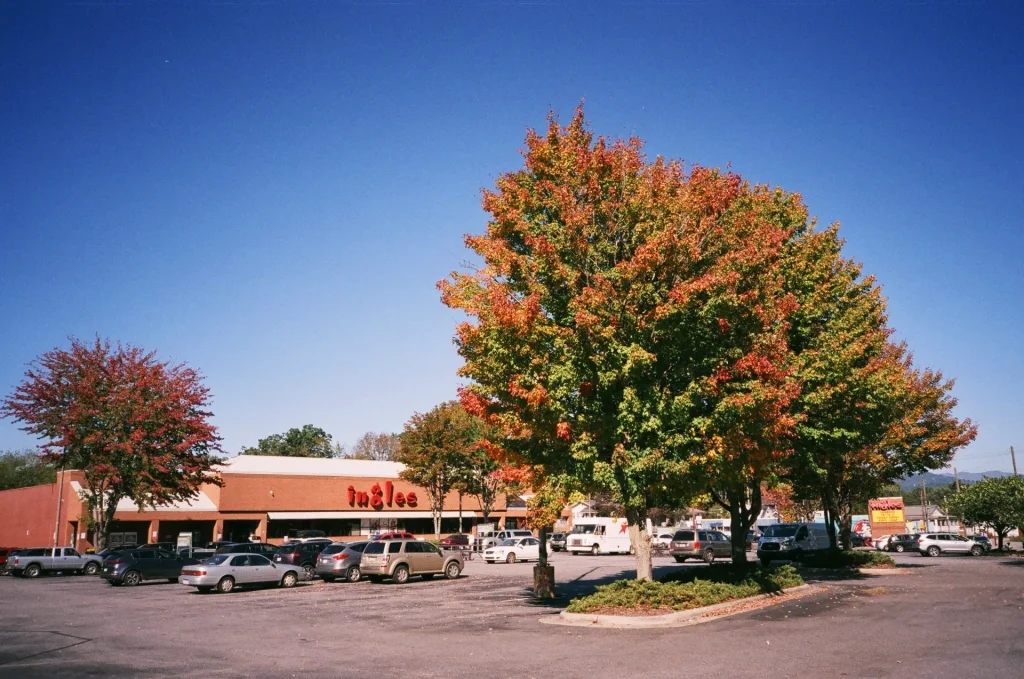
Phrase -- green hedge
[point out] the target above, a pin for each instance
(852, 559)
(683, 590)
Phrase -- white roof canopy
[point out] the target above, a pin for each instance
(309, 466)
(284, 516)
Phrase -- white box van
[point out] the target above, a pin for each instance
(790, 541)
(599, 535)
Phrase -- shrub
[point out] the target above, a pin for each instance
(839, 559)
(682, 591)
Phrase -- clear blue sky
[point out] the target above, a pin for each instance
(269, 191)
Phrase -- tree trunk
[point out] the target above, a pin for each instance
(640, 539)
(846, 526)
(744, 506)
(542, 560)
(543, 574)
(830, 527)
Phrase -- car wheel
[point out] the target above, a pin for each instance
(976, 550)
(92, 568)
(289, 579)
(32, 571)
(131, 578)
(204, 589)
(310, 571)
(452, 570)
(709, 556)
(899, 548)
(679, 559)
(226, 584)
(511, 558)
(353, 574)
(766, 562)
(595, 550)
(933, 551)
(401, 575)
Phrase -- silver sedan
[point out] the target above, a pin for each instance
(224, 572)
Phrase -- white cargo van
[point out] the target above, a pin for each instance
(790, 541)
(599, 535)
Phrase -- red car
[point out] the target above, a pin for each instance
(4, 553)
(456, 540)
(395, 536)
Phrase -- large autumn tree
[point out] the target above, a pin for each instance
(436, 448)
(628, 323)
(138, 428)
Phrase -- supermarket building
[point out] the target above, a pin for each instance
(268, 497)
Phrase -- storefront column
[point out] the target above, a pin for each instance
(261, 529)
(154, 531)
(218, 530)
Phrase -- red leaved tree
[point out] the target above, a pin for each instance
(137, 427)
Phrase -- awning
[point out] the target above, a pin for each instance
(284, 516)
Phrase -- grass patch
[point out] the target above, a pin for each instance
(852, 559)
(683, 590)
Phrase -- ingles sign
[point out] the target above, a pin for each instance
(378, 497)
(886, 510)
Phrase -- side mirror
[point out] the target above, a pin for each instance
(273, 564)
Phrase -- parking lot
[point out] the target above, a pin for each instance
(951, 616)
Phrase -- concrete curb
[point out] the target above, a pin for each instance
(679, 618)
(854, 571)
(884, 571)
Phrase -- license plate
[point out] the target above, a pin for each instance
(186, 581)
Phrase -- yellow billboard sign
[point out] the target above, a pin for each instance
(887, 516)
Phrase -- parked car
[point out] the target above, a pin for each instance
(225, 572)
(402, 559)
(557, 542)
(699, 544)
(661, 540)
(132, 567)
(306, 535)
(301, 554)
(902, 542)
(456, 540)
(791, 541)
(514, 549)
(33, 562)
(217, 544)
(165, 546)
(983, 541)
(934, 544)
(109, 551)
(341, 561)
(395, 535)
(858, 540)
(881, 542)
(263, 548)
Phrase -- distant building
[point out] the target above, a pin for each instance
(931, 519)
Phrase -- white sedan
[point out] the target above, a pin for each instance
(513, 549)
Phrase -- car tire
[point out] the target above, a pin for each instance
(899, 548)
(226, 584)
(709, 556)
(91, 568)
(289, 579)
(934, 551)
(452, 570)
(310, 570)
(679, 559)
(204, 589)
(511, 558)
(976, 550)
(131, 578)
(401, 575)
(595, 550)
(32, 571)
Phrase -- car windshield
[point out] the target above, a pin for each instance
(374, 548)
(583, 528)
(779, 531)
(217, 560)
(333, 549)
(509, 542)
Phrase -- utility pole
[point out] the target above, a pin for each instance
(1013, 458)
(956, 480)
(924, 506)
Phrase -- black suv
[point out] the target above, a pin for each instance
(249, 548)
(302, 554)
(904, 542)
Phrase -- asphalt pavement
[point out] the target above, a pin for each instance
(947, 617)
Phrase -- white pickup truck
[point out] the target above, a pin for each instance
(31, 563)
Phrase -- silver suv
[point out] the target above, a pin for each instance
(933, 544)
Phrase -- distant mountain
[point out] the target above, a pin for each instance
(934, 479)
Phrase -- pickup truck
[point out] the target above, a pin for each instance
(31, 563)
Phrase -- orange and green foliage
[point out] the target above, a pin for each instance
(628, 325)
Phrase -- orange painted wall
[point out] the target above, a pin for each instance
(27, 515)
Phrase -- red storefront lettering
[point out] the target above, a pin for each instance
(378, 497)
